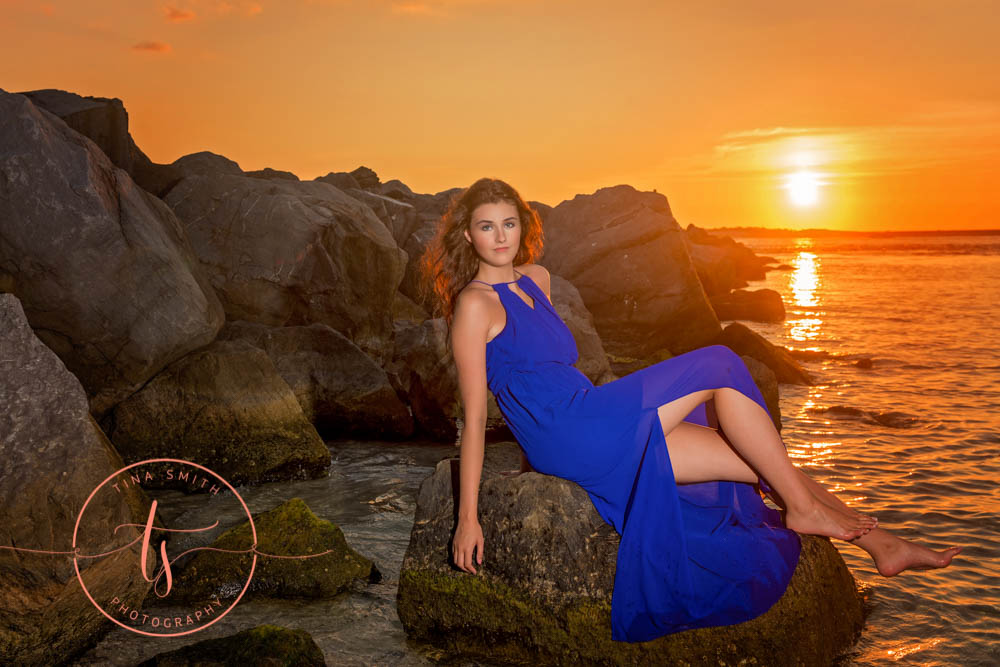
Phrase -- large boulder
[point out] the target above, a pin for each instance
(105, 122)
(423, 371)
(626, 254)
(103, 269)
(285, 253)
(54, 456)
(543, 592)
(224, 407)
(341, 390)
(290, 529)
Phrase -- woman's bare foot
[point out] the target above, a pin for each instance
(818, 518)
(893, 554)
(828, 498)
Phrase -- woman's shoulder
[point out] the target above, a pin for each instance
(473, 293)
(539, 274)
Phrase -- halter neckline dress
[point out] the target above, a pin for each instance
(690, 555)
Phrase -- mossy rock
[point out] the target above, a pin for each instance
(223, 406)
(291, 529)
(543, 592)
(264, 645)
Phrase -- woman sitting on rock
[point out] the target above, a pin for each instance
(698, 545)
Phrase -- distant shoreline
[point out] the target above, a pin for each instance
(817, 232)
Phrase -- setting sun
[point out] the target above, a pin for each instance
(803, 188)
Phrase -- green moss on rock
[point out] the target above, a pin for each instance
(543, 592)
(291, 529)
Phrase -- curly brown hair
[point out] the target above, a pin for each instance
(449, 262)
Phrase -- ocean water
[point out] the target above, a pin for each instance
(915, 439)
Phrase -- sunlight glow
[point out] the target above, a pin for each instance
(803, 188)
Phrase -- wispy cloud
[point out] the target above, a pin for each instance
(443, 8)
(937, 136)
(181, 11)
(175, 15)
(152, 46)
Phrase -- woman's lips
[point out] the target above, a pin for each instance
(503, 248)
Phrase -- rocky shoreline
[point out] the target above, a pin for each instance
(238, 319)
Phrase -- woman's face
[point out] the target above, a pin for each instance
(495, 232)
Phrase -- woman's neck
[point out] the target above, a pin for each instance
(499, 275)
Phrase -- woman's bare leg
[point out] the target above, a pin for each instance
(891, 554)
(752, 434)
(701, 454)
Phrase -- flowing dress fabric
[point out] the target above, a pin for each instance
(690, 555)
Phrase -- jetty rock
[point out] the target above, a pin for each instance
(54, 455)
(543, 592)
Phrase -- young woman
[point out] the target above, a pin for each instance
(698, 545)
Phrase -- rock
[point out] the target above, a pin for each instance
(341, 390)
(105, 122)
(593, 361)
(399, 217)
(340, 180)
(287, 253)
(626, 254)
(543, 592)
(54, 456)
(396, 189)
(262, 645)
(722, 263)
(405, 308)
(423, 371)
(103, 268)
(367, 178)
(224, 407)
(290, 529)
(207, 163)
(763, 305)
(268, 173)
(414, 247)
(746, 342)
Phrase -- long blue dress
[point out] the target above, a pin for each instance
(690, 555)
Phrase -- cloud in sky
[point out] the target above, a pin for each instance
(175, 15)
(940, 135)
(152, 46)
(187, 10)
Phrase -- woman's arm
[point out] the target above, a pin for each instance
(470, 327)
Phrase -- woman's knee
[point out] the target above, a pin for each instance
(723, 365)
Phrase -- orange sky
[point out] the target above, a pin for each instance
(889, 110)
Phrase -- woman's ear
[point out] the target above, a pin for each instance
(467, 237)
